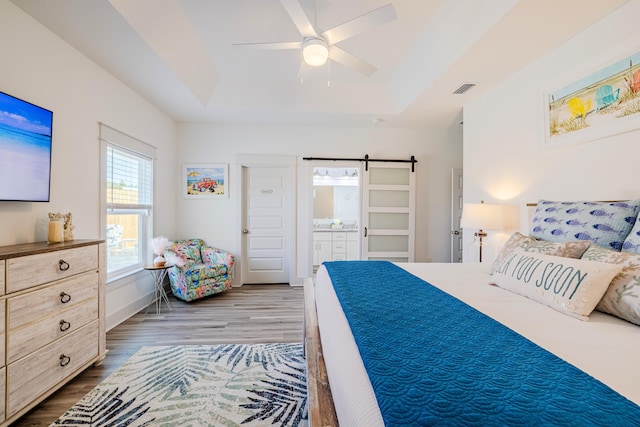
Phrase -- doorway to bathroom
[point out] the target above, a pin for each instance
(336, 213)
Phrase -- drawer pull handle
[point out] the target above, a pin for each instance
(64, 297)
(64, 360)
(63, 265)
(64, 325)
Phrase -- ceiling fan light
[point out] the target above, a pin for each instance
(315, 52)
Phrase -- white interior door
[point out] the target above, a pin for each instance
(388, 202)
(456, 215)
(266, 224)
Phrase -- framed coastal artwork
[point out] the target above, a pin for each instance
(202, 181)
(601, 103)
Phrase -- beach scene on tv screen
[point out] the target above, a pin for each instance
(25, 150)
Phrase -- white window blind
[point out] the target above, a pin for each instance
(129, 180)
(127, 198)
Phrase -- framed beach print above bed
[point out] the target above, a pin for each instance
(603, 100)
(201, 181)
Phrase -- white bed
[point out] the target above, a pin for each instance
(604, 347)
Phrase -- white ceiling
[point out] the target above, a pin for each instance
(179, 54)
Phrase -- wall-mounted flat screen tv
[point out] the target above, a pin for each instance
(25, 150)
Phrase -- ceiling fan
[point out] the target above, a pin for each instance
(320, 46)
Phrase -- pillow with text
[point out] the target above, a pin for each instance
(571, 286)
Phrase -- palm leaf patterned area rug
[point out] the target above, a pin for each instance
(220, 385)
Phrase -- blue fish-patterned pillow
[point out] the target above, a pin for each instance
(632, 242)
(607, 224)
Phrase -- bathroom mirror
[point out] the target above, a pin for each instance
(336, 196)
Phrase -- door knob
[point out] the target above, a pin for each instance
(455, 232)
(245, 231)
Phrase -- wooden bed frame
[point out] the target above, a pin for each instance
(322, 412)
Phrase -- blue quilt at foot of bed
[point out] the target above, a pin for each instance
(433, 360)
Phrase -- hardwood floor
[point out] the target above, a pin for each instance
(249, 314)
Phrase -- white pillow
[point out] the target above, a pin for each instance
(571, 286)
(622, 299)
(528, 243)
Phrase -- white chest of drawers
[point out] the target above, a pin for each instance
(52, 319)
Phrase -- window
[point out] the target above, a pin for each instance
(128, 201)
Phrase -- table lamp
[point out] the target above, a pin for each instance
(482, 216)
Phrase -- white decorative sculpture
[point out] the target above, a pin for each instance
(160, 243)
(68, 227)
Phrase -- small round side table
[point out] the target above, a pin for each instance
(159, 294)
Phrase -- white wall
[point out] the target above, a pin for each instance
(45, 70)
(39, 67)
(503, 130)
(218, 221)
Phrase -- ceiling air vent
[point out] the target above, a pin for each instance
(465, 87)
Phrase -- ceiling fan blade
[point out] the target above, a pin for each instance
(359, 25)
(299, 18)
(270, 46)
(348, 60)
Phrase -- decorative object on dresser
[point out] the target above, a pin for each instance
(56, 228)
(52, 314)
(60, 227)
(68, 227)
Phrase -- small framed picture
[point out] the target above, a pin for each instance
(205, 181)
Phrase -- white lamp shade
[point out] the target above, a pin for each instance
(483, 216)
(315, 52)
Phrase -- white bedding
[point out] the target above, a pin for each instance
(605, 347)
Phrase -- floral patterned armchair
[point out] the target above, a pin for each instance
(198, 270)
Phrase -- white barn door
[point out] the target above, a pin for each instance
(388, 218)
